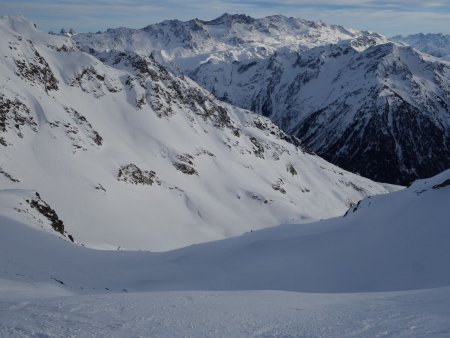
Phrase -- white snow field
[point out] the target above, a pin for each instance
(380, 271)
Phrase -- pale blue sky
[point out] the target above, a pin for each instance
(384, 16)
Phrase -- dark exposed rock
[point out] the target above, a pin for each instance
(353, 208)
(45, 210)
(100, 187)
(166, 93)
(187, 158)
(185, 168)
(258, 148)
(8, 175)
(444, 184)
(204, 152)
(14, 115)
(81, 123)
(37, 70)
(140, 102)
(244, 68)
(291, 169)
(90, 75)
(261, 199)
(58, 281)
(268, 126)
(131, 173)
(185, 164)
(278, 186)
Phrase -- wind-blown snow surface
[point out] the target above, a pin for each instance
(126, 154)
(396, 242)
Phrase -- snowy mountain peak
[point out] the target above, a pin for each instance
(230, 19)
(437, 44)
(17, 23)
(230, 37)
(22, 28)
(132, 142)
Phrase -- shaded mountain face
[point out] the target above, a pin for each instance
(358, 100)
(437, 45)
(124, 153)
(381, 110)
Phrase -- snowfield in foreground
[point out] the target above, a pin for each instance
(231, 314)
(393, 244)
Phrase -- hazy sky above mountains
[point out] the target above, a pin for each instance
(383, 16)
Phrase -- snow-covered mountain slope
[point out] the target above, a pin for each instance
(389, 242)
(382, 111)
(352, 96)
(395, 242)
(437, 45)
(126, 154)
(228, 38)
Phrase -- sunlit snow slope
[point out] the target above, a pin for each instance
(124, 154)
(230, 37)
(389, 242)
(355, 98)
(396, 242)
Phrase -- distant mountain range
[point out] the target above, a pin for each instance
(382, 112)
(187, 45)
(437, 45)
(359, 100)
